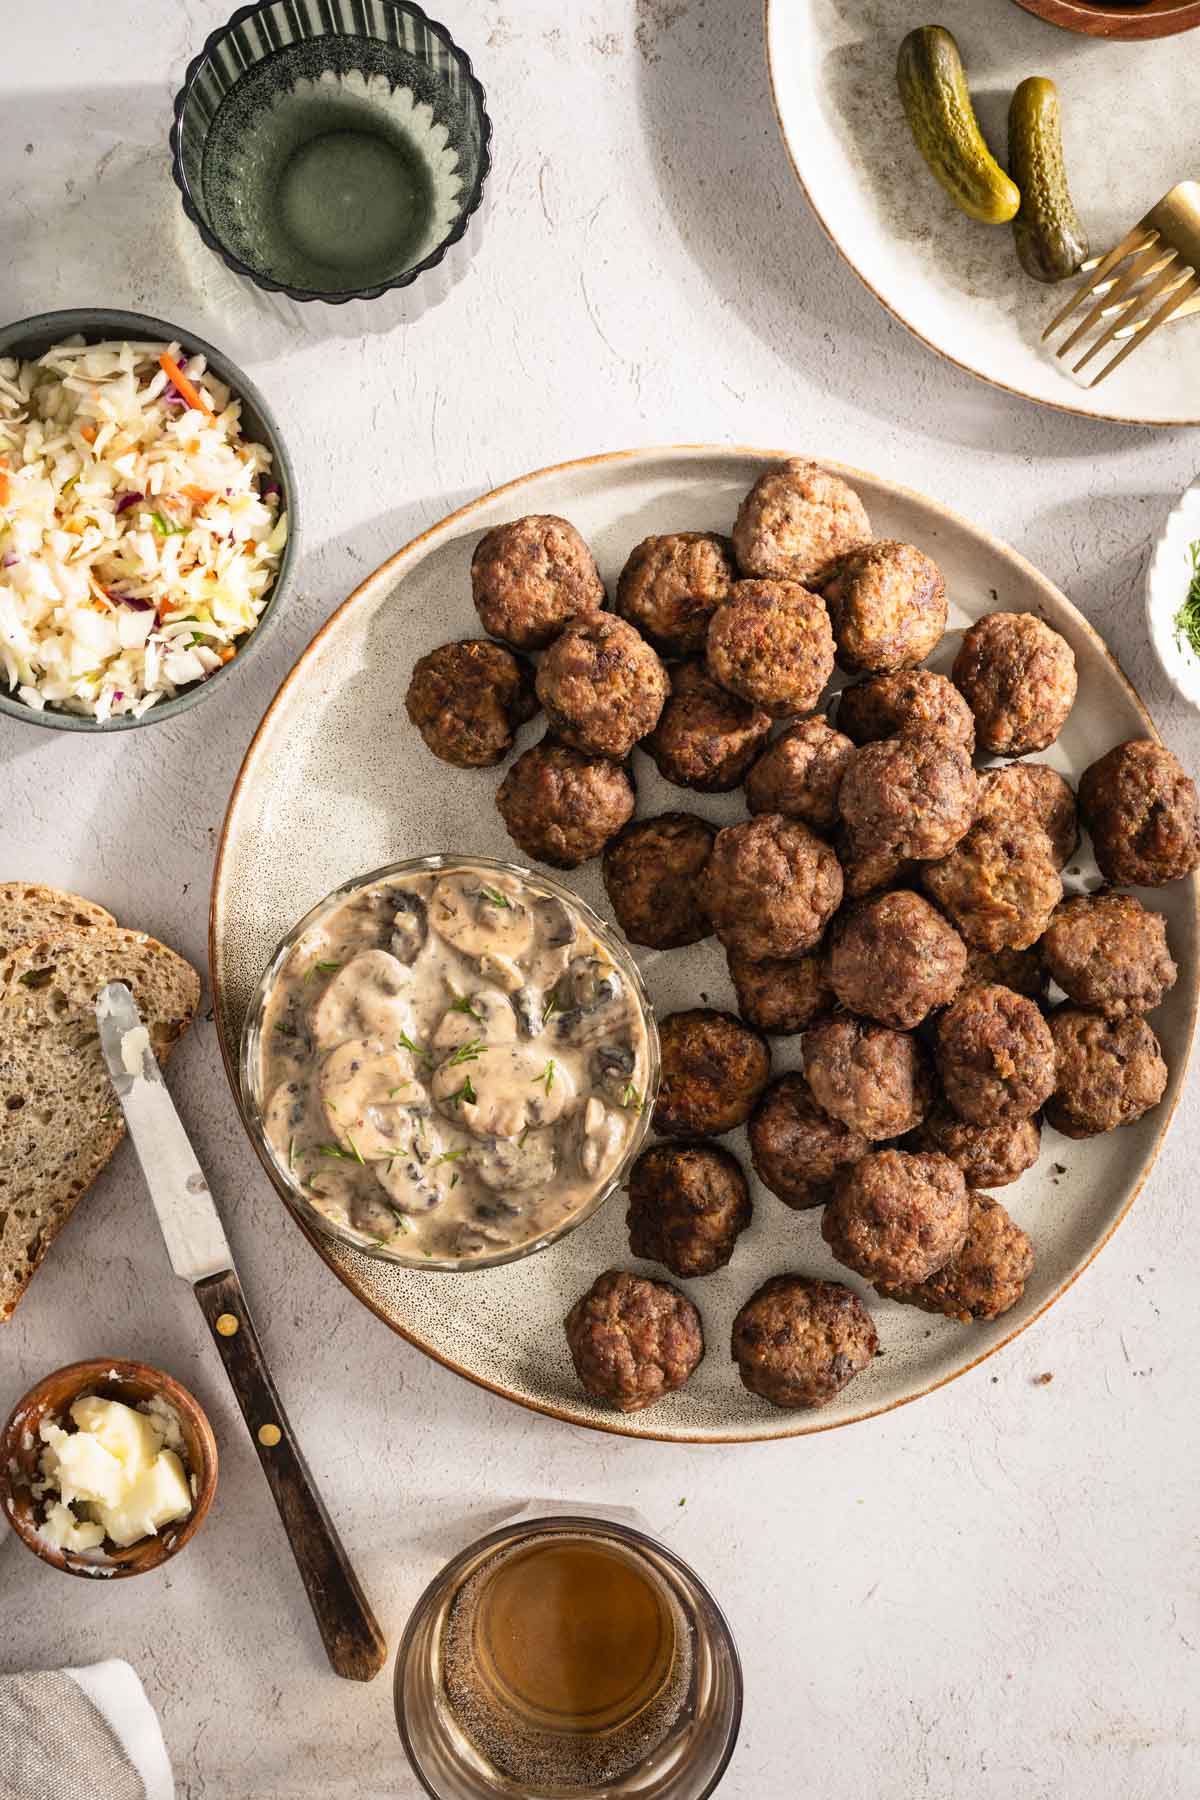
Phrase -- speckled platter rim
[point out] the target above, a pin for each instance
(389, 572)
(1080, 411)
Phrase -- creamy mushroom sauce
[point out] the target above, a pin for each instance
(452, 1063)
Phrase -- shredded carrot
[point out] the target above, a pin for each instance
(227, 653)
(200, 495)
(194, 447)
(5, 483)
(192, 395)
(89, 433)
(99, 592)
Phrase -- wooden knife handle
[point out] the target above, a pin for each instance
(355, 1644)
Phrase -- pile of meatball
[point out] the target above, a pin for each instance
(898, 909)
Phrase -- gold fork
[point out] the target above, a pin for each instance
(1156, 262)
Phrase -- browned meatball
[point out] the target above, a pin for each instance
(985, 1278)
(988, 1155)
(995, 1056)
(894, 958)
(532, 576)
(671, 586)
(602, 686)
(885, 704)
(713, 1070)
(913, 795)
(1142, 813)
(633, 1340)
(706, 738)
(771, 886)
(798, 1149)
(897, 1215)
(1018, 677)
(561, 806)
(651, 875)
(800, 773)
(875, 1080)
(887, 606)
(771, 644)
(868, 871)
(798, 1341)
(688, 1205)
(999, 885)
(796, 521)
(1108, 953)
(1032, 794)
(779, 996)
(467, 700)
(1110, 1072)
(1020, 970)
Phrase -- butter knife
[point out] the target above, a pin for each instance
(200, 1253)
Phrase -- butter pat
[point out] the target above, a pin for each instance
(61, 1528)
(134, 1045)
(115, 1468)
(158, 1495)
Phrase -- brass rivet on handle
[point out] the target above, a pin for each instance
(227, 1325)
(269, 1435)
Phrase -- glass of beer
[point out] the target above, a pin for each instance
(568, 1655)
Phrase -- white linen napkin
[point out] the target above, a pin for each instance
(90, 1733)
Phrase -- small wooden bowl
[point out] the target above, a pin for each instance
(1159, 18)
(21, 1447)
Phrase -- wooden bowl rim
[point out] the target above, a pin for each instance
(108, 1376)
(1157, 19)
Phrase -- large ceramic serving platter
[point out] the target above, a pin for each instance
(1127, 136)
(337, 769)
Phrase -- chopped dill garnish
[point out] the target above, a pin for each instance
(631, 1097)
(406, 1043)
(521, 1139)
(401, 1221)
(358, 1155)
(450, 1156)
(553, 1005)
(1187, 619)
(392, 1092)
(546, 1078)
(469, 1052)
(336, 1150)
(454, 1179)
(496, 897)
(466, 1094)
(326, 968)
(462, 1003)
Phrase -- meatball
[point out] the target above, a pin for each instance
(779, 996)
(897, 1215)
(651, 874)
(1032, 794)
(602, 686)
(887, 606)
(771, 644)
(671, 586)
(988, 1155)
(800, 773)
(771, 886)
(1108, 953)
(995, 1056)
(796, 521)
(984, 1279)
(706, 738)
(894, 959)
(633, 1340)
(713, 1070)
(867, 872)
(999, 885)
(1142, 813)
(796, 1148)
(1018, 677)
(798, 1341)
(913, 795)
(875, 1080)
(468, 700)
(561, 806)
(532, 576)
(885, 704)
(1110, 1072)
(1020, 970)
(688, 1205)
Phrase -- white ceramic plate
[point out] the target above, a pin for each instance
(337, 782)
(1168, 578)
(955, 283)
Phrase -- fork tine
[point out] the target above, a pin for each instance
(1146, 262)
(1169, 305)
(1167, 282)
(1140, 238)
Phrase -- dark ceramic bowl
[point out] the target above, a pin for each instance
(95, 324)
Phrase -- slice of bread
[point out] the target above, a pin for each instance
(28, 910)
(59, 1117)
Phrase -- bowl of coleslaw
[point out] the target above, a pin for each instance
(148, 519)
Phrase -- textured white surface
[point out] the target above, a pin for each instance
(992, 1592)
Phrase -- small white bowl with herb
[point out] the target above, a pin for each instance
(1173, 596)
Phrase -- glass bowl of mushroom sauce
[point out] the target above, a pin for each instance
(449, 1063)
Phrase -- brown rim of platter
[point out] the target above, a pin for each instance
(993, 381)
(393, 565)
(1155, 19)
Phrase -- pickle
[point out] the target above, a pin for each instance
(1051, 242)
(937, 104)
